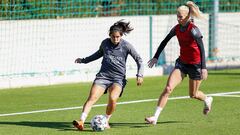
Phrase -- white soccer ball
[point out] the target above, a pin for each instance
(99, 123)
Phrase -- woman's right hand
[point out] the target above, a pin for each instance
(78, 60)
(152, 62)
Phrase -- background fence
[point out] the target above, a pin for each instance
(40, 39)
(45, 9)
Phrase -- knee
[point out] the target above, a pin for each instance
(92, 98)
(167, 91)
(112, 100)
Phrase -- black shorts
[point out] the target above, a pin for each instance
(192, 70)
(106, 83)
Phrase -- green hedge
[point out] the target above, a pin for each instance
(44, 9)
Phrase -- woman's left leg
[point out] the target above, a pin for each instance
(194, 92)
(114, 93)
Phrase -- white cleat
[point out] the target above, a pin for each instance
(151, 120)
(207, 105)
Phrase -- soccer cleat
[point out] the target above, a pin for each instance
(78, 124)
(151, 120)
(207, 105)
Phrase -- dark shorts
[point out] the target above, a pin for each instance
(106, 83)
(192, 70)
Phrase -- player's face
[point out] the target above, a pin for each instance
(182, 17)
(115, 37)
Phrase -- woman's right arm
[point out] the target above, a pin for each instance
(154, 60)
(98, 54)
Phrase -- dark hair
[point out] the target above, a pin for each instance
(121, 26)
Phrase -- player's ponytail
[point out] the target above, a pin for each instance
(121, 26)
(194, 10)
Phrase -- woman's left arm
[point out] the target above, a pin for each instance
(139, 62)
(198, 38)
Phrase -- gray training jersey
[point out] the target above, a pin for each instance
(114, 59)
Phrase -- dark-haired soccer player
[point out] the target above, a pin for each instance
(111, 76)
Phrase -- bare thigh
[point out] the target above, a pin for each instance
(115, 91)
(96, 92)
(175, 78)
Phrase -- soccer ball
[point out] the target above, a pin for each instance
(99, 123)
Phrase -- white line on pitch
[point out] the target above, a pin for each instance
(228, 96)
(225, 93)
(120, 103)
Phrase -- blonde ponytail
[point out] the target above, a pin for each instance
(194, 10)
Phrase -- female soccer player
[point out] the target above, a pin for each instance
(191, 61)
(111, 76)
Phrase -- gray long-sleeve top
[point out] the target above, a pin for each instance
(114, 59)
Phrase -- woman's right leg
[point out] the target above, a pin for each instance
(173, 80)
(95, 93)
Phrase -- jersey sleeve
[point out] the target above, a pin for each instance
(98, 54)
(137, 59)
(164, 42)
(198, 38)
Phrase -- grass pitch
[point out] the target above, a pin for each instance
(179, 117)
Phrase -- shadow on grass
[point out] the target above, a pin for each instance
(61, 126)
(142, 125)
(67, 126)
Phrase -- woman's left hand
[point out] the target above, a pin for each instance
(204, 74)
(139, 81)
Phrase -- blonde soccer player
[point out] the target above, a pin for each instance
(191, 61)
